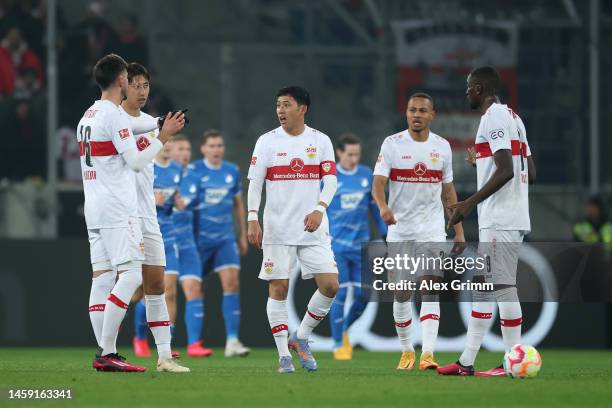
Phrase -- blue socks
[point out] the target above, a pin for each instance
(336, 317)
(357, 308)
(194, 319)
(140, 320)
(231, 314)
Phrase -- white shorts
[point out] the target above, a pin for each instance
(154, 252)
(502, 249)
(279, 261)
(116, 246)
(431, 256)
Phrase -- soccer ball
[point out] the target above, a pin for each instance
(522, 361)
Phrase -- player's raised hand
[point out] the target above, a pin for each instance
(160, 199)
(387, 216)
(254, 234)
(312, 221)
(173, 123)
(460, 210)
(471, 156)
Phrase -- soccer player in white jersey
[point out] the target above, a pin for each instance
(505, 169)
(418, 165)
(109, 157)
(154, 264)
(292, 160)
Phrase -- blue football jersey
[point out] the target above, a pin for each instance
(348, 211)
(183, 219)
(166, 180)
(216, 190)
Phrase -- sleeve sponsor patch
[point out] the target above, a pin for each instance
(124, 133)
(496, 134)
(253, 160)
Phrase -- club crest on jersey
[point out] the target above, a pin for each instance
(142, 143)
(177, 178)
(268, 266)
(124, 133)
(420, 169)
(229, 178)
(296, 165)
(326, 167)
(311, 152)
(364, 182)
(434, 156)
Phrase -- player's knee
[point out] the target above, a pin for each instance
(231, 285)
(278, 289)
(402, 296)
(507, 294)
(192, 289)
(330, 288)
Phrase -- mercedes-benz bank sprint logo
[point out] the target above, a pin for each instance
(361, 333)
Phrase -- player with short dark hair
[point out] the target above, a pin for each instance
(505, 169)
(217, 195)
(349, 228)
(109, 158)
(156, 186)
(418, 165)
(292, 160)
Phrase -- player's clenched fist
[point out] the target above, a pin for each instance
(387, 216)
(254, 234)
(312, 221)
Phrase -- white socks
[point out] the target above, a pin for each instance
(279, 323)
(402, 314)
(158, 320)
(510, 316)
(101, 287)
(479, 323)
(116, 306)
(318, 307)
(430, 321)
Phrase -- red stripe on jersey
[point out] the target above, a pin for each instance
(117, 301)
(314, 316)
(403, 324)
(411, 176)
(280, 328)
(511, 322)
(98, 148)
(158, 324)
(479, 315)
(97, 308)
(295, 172)
(431, 316)
(328, 167)
(484, 150)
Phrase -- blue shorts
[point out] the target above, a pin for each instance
(349, 267)
(221, 255)
(190, 266)
(172, 265)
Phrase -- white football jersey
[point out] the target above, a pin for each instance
(144, 178)
(292, 167)
(109, 184)
(416, 171)
(508, 208)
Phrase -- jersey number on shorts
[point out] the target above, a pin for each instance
(85, 138)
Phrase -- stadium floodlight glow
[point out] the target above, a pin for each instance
(361, 331)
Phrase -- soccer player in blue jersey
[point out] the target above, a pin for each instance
(190, 266)
(218, 200)
(349, 227)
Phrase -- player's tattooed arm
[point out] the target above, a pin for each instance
(378, 193)
(504, 172)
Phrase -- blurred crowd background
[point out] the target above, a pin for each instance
(224, 60)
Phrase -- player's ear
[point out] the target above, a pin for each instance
(304, 109)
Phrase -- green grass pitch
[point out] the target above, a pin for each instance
(568, 379)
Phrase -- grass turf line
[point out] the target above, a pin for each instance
(568, 378)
